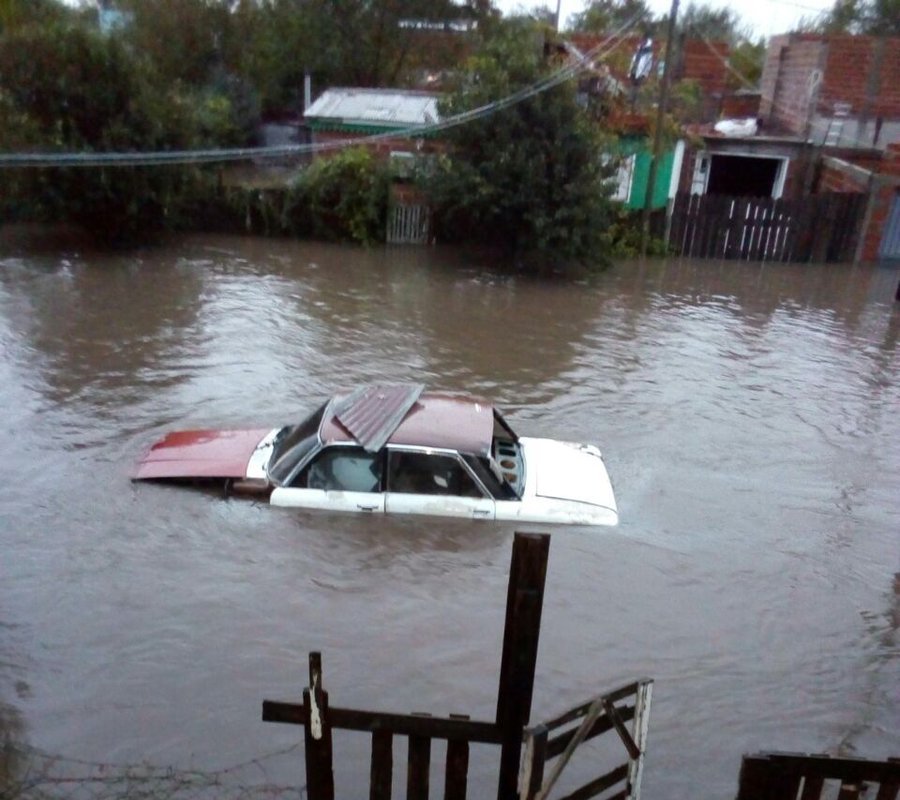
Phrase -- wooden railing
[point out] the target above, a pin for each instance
(319, 720)
(524, 604)
(792, 776)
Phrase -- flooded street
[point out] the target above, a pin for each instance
(749, 419)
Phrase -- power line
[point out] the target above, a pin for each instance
(226, 155)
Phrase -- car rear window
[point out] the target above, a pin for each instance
(293, 444)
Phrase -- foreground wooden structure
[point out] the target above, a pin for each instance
(817, 228)
(556, 739)
(792, 776)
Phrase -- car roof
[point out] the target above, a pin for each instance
(406, 415)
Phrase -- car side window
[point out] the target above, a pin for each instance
(429, 473)
(342, 469)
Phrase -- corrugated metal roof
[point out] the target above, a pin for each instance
(433, 420)
(392, 108)
(371, 414)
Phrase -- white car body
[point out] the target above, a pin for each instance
(395, 450)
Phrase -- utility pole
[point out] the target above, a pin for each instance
(662, 106)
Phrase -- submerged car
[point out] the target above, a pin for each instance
(397, 449)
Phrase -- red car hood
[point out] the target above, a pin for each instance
(200, 454)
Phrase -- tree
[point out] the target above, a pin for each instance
(607, 16)
(528, 178)
(70, 89)
(873, 17)
(700, 21)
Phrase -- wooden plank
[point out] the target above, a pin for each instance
(456, 771)
(836, 768)
(419, 768)
(317, 736)
(629, 690)
(624, 734)
(524, 603)
(533, 761)
(851, 791)
(400, 724)
(759, 781)
(641, 733)
(888, 790)
(601, 784)
(812, 788)
(590, 718)
(381, 772)
(559, 743)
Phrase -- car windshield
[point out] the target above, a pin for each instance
(293, 444)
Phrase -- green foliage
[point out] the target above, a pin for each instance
(873, 17)
(623, 236)
(530, 178)
(67, 88)
(606, 16)
(747, 59)
(343, 197)
(720, 24)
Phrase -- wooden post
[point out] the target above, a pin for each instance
(524, 603)
(418, 772)
(456, 771)
(657, 133)
(641, 728)
(317, 735)
(382, 766)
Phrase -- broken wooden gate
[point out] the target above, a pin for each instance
(560, 737)
(524, 604)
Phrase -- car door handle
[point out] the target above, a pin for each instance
(481, 512)
(363, 507)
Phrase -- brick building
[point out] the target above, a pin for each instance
(837, 90)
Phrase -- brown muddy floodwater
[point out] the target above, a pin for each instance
(749, 415)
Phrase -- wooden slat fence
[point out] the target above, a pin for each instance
(560, 737)
(408, 224)
(817, 228)
(792, 776)
(320, 720)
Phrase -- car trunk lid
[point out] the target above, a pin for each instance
(201, 454)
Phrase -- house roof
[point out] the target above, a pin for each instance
(404, 416)
(372, 109)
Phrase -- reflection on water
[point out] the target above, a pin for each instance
(747, 413)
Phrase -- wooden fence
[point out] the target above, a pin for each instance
(818, 228)
(791, 776)
(517, 665)
(408, 224)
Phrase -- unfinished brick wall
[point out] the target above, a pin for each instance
(807, 74)
(789, 82)
(863, 71)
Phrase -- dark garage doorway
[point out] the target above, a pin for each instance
(742, 175)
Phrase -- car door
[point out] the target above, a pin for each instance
(339, 478)
(438, 483)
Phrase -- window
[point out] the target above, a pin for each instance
(342, 469)
(293, 445)
(429, 473)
